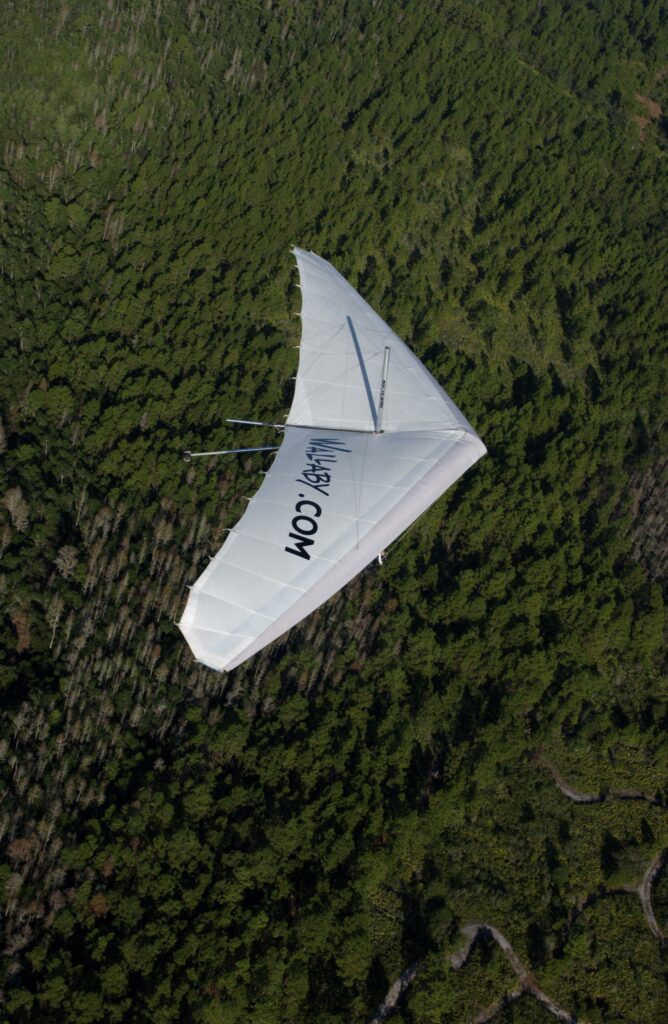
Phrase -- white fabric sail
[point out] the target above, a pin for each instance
(340, 488)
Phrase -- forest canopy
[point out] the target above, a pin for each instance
(282, 843)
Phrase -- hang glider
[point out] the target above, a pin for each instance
(371, 441)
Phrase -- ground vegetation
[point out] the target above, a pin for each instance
(282, 844)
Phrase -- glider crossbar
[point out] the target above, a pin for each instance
(258, 423)
(187, 456)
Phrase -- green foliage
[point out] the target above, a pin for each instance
(279, 845)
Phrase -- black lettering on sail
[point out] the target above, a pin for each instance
(301, 544)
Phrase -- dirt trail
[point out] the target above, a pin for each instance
(527, 983)
(472, 933)
(643, 890)
(593, 798)
(389, 1003)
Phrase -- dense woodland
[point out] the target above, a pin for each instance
(280, 844)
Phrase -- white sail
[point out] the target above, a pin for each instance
(341, 361)
(339, 491)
